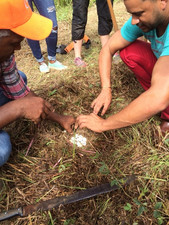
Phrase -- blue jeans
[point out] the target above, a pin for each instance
(5, 143)
(46, 8)
(5, 147)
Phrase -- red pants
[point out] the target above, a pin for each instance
(141, 60)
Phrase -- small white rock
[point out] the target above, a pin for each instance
(79, 140)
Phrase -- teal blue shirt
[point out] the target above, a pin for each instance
(159, 45)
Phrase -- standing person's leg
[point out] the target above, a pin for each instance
(104, 39)
(105, 24)
(5, 143)
(36, 49)
(79, 20)
(47, 8)
(134, 57)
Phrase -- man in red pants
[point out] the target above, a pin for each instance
(149, 62)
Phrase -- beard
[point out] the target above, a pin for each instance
(155, 23)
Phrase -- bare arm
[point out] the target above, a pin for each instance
(30, 107)
(115, 43)
(9, 113)
(152, 101)
(34, 108)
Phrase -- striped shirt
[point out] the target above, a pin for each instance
(11, 83)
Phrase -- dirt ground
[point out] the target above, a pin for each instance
(45, 165)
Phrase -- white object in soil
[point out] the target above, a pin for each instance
(78, 140)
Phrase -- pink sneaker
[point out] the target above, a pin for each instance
(79, 62)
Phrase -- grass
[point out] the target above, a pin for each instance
(54, 168)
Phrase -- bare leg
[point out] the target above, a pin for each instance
(78, 48)
(104, 39)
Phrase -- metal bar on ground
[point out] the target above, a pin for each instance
(64, 200)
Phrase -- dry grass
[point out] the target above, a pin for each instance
(52, 167)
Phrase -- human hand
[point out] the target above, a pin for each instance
(91, 121)
(35, 108)
(103, 100)
(67, 122)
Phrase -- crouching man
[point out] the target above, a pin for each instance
(148, 61)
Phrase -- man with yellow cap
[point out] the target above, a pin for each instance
(16, 22)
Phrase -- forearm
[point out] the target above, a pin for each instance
(137, 111)
(9, 113)
(115, 43)
(31, 107)
(105, 62)
(13, 110)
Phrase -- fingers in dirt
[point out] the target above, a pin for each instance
(49, 106)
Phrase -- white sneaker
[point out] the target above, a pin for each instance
(44, 68)
(57, 66)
